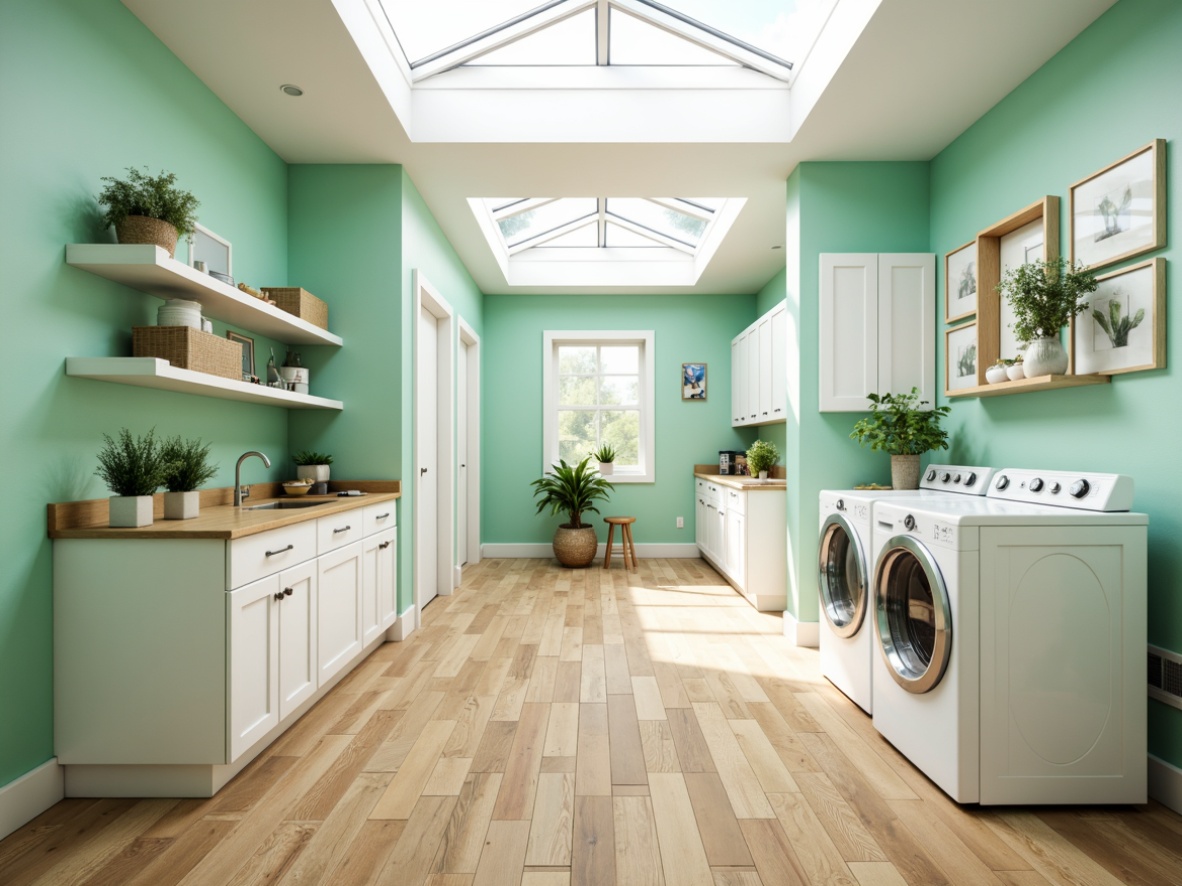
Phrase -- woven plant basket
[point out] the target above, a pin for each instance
(189, 348)
(300, 302)
(575, 548)
(141, 229)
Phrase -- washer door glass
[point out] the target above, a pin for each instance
(843, 576)
(913, 614)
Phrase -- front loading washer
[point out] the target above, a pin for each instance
(1010, 630)
(846, 634)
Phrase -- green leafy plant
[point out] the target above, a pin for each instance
(187, 464)
(605, 453)
(132, 465)
(155, 196)
(1045, 295)
(1116, 326)
(311, 457)
(898, 425)
(761, 456)
(571, 489)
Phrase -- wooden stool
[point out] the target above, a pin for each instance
(626, 542)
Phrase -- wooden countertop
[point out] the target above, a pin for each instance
(218, 518)
(749, 483)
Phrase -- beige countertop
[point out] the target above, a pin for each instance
(736, 482)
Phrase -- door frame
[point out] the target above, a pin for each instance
(471, 340)
(426, 296)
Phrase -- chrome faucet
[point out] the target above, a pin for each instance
(241, 493)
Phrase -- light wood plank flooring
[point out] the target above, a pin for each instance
(551, 727)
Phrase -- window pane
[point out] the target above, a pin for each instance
(521, 227)
(576, 358)
(785, 28)
(586, 237)
(576, 434)
(618, 236)
(619, 390)
(621, 428)
(624, 359)
(569, 42)
(669, 222)
(576, 390)
(426, 28)
(634, 42)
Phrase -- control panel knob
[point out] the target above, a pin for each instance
(970, 479)
(945, 477)
(1002, 482)
(909, 523)
(931, 476)
(1036, 485)
(840, 504)
(1055, 487)
(1080, 488)
(956, 479)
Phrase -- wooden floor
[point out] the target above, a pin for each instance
(550, 727)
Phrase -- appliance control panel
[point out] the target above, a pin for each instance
(1082, 491)
(969, 480)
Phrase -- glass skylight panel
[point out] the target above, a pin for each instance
(425, 28)
(679, 226)
(568, 42)
(785, 29)
(586, 237)
(550, 216)
(634, 42)
(618, 237)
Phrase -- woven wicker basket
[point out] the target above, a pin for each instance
(142, 229)
(189, 348)
(575, 548)
(300, 302)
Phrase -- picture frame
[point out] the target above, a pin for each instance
(960, 282)
(248, 373)
(1120, 211)
(961, 357)
(1109, 338)
(217, 252)
(693, 381)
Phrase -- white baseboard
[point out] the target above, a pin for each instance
(406, 624)
(24, 799)
(1165, 783)
(545, 551)
(802, 633)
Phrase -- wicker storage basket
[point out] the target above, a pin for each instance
(300, 302)
(189, 348)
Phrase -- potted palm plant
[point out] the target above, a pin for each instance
(605, 455)
(187, 468)
(572, 490)
(1044, 296)
(148, 208)
(133, 468)
(762, 455)
(900, 426)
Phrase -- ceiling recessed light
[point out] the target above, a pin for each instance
(290, 89)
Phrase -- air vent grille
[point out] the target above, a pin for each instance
(1165, 676)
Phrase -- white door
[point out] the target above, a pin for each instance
(427, 443)
(462, 455)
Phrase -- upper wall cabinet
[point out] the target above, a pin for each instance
(878, 318)
(759, 370)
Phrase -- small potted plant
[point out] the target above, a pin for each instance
(1015, 369)
(187, 468)
(761, 457)
(133, 468)
(572, 490)
(312, 465)
(1044, 296)
(606, 456)
(901, 427)
(997, 372)
(148, 208)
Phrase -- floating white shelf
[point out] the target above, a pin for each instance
(149, 269)
(152, 372)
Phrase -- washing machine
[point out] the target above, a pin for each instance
(846, 634)
(1010, 639)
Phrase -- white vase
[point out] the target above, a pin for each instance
(130, 511)
(1015, 372)
(995, 374)
(1044, 356)
(606, 468)
(315, 473)
(182, 505)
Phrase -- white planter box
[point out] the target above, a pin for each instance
(182, 505)
(130, 511)
(315, 473)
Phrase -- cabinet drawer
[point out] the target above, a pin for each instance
(257, 556)
(339, 530)
(375, 518)
(736, 501)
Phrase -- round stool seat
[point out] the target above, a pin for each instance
(626, 542)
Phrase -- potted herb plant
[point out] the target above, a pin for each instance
(900, 426)
(187, 467)
(312, 465)
(148, 208)
(1044, 296)
(1015, 369)
(606, 456)
(762, 455)
(133, 468)
(997, 372)
(572, 490)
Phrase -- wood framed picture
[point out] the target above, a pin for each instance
(960, 358)
(248, 373)
(960, 283)
(1124, 326)
(693, 381)
(1120, 211)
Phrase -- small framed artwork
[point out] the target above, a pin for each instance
(1120, 211)
(215, 251)
(693, 381)
(247, 353)
(960, 282)
(960, 358)
(1124, 326)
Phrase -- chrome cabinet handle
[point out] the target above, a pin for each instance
(337, 531)
(280, 551)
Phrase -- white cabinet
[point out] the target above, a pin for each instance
(877, 327)
(700, 514)
(736, 535)
(339, 610)
(759, 370)
(746, 541)
(379, 603)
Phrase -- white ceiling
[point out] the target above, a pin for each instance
(920, 73)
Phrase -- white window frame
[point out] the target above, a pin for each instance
(646, 471)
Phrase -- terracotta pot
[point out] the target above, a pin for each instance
(904, 471)
(575, 548)
(142, 229)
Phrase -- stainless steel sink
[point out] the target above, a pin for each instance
(284, 505)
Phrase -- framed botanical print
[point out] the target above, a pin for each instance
(960, 282)
(1124, 326)
(960, 358)
(1120, 211)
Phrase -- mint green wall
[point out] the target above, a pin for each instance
(688, 329)
(85, 91)
(1109, 92)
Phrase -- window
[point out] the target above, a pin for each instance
(598, 388)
